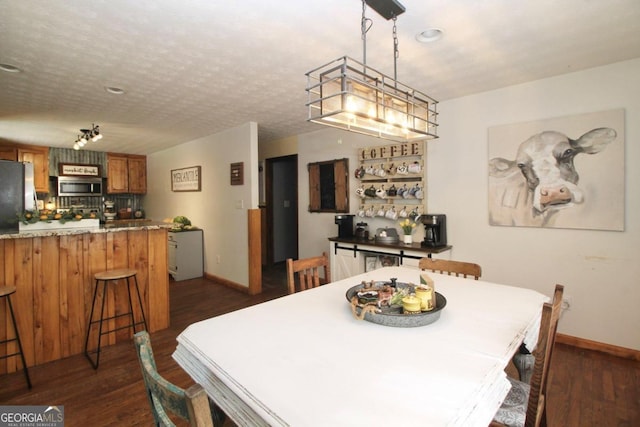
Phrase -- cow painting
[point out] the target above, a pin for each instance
(542, 180)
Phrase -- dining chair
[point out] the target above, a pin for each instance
(165, 398)
(459, 268)
(308, 272)
(526, 404)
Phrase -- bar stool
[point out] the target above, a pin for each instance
(106, 277)
(6, 292)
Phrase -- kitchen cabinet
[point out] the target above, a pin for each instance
(126, 173)
(38, 155)
(185, 254)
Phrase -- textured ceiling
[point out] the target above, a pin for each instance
(194, 68)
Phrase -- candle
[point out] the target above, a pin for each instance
(411, 304)
(426, 298)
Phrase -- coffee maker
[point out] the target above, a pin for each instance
(435, 230)
(345, 225)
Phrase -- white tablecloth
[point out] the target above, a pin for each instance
(304, 360)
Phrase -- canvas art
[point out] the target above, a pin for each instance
(565, 172)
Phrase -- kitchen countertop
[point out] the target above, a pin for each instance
(415, 246)
(108, 227)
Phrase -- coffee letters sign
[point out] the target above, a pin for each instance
(395, 150)
(186, 179)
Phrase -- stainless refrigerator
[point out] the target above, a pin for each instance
(17, 193)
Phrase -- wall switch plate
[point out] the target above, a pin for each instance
(239, 204)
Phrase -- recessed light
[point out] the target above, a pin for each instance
(10, 68)
(429, 36)
(114, 90)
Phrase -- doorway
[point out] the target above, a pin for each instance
(281, 194)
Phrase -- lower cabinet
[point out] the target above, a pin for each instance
(185, 257)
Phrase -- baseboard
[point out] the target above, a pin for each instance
(227, 283)
(613, 350)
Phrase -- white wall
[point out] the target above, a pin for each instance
(329, 144)
(599, 269)
(220, 209)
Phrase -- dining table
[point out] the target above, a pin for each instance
(306, 360)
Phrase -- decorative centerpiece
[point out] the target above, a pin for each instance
(396, 304)
(48, 219)
(407, 226)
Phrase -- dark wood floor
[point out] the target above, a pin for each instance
(587, 388)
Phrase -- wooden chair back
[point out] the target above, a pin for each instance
(536, 406)
(308, 272)
(191, 405)
(459, 268)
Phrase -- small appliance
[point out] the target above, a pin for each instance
(345, 225)
(362, 231)
(435, 230)
(79, 186)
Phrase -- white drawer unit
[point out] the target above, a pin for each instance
(185, 254)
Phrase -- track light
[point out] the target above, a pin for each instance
(92, 134)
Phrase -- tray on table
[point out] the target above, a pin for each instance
(393, 316)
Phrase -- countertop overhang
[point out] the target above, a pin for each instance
(108, 227)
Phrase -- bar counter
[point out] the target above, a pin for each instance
(53, 272)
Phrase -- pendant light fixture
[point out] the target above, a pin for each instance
(350, 95)
(92, 134)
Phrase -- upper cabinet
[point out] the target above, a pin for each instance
(126, 173)
(35, 154)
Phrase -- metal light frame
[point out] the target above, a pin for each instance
(348, 94)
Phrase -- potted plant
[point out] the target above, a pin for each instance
(407, 226)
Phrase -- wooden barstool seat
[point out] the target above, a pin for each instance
(6, 292)
(107, 277)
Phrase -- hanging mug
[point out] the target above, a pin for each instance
(414, 214)
(370, 170)
(392, 191)
(381, 212)
(414, 167)
(360, 192)
(391, 213)
(370, 213)
(391, 170)
(361, 212)
(381, 192)
(403, 213)
(381, 172)
(419, 193)
(403, 170)
(359, 172)
(370, 192)
(405, 191)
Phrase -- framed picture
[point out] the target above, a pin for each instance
(237, 173)
(564, 172)
(370, 262)
(186, 179)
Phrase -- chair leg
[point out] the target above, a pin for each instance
(96, 363)
(524, 364)
(15, 328)
(144, 319)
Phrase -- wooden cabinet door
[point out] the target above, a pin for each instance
(137, 174)
(9, 153)
(117, 174)
(39, 156)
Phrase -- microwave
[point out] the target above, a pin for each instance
(79, 186)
